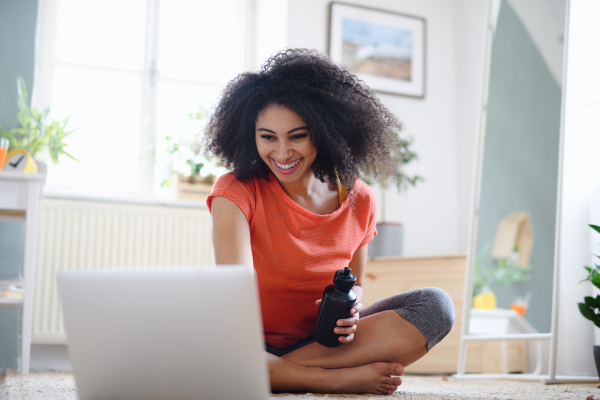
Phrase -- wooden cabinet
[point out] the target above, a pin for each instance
(387, 276)
(505, 357)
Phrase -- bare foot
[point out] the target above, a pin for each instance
(375, 378)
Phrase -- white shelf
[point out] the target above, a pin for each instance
(11, 302)
(13, 281)
(22, 192)
(21, 176)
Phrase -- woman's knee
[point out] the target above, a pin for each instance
(431, 310)
(442, 304)
(441, 314)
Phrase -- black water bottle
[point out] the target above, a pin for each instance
(338, 299)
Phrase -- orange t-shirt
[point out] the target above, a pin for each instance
(296, 252)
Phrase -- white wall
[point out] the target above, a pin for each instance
(435, 213)
(581, 177)
(545, 23)
(471, 24)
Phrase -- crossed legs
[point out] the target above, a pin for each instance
(384, 343)
(366, 365)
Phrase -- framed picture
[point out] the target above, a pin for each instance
(384, 49)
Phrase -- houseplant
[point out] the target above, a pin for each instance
(189, 174)
(503, 273)
(590, 308)
(37, 132)
(388, 241)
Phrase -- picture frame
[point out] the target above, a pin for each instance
(385, 49)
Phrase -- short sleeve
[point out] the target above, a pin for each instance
(243, 194)
(371, 215)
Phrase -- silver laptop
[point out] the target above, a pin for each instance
(165, 334)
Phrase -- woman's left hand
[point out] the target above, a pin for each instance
(347, 326)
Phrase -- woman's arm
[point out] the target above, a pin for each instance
(230, 233)
(358, 264)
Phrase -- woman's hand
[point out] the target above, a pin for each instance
(347, 326)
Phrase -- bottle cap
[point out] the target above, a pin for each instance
(344, 279)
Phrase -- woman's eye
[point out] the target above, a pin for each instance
(300, 136)
(268, 137)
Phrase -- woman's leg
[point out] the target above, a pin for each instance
(400, 329)
(373, 378)
(392, 333)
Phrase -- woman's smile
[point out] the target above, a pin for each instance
(283, 142)
(287, 167)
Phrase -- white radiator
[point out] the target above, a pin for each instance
(80, 235)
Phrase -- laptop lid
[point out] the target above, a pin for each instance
(165, 334)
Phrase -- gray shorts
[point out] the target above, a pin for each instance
(430, 309)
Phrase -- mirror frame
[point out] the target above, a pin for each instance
(465, 338)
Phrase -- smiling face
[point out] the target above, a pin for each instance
(283, 142)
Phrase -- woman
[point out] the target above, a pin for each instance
(296, 136)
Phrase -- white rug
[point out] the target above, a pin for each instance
(61, 386)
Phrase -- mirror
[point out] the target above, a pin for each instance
(514, 236)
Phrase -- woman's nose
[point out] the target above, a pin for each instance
(284, 150)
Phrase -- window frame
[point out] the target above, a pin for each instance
(46, 65)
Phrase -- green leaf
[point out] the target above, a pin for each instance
(595, 227)
(593, 276)
(585, 311)
(591, 302)
(71, 157)
(401, 154)
(36, 132)
(589, 314)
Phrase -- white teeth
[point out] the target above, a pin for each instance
(288, 166)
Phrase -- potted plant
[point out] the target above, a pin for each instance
(504, 273)
(390, 235)
(37, 132)
(590, 308)
(189, 175)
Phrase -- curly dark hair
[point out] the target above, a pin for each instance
(352, 131)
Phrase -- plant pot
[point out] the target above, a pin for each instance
(41, 166)
(388, 242)
(597, 359)
(193, 187)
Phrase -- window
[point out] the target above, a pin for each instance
(130, 72)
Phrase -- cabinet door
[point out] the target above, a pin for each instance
(9, 337)
(12, 239)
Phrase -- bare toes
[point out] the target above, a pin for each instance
(396, 369)
(397, 381)
(385, 392)
(392, 388)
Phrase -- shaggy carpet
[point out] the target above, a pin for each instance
(61, 386)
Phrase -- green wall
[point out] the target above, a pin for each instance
(520, 161)
(17, 55)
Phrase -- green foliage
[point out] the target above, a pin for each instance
(590, 308)
(181, 157)
(481, 278)
(37, 132)
(593, 276)
(507, 272)
(504, 273)
(401, 180)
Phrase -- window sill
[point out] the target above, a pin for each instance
(123, 199)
